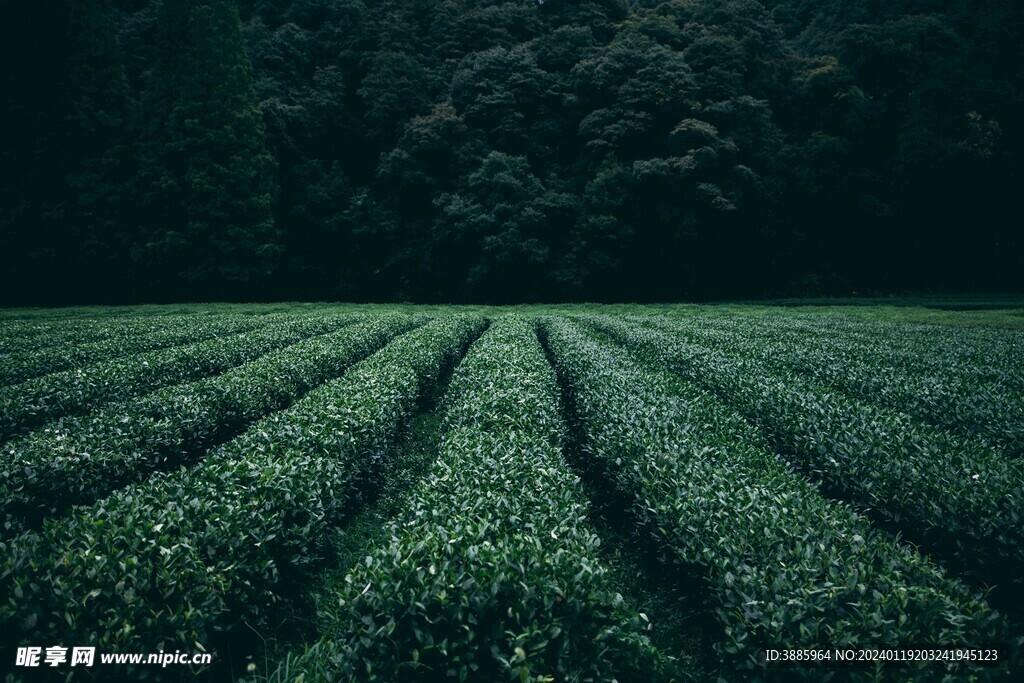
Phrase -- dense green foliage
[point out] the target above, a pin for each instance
(960, 499)
(588, 478)
(175, 558)
(783, 563)
(80, 460)
(38, 359)
(968, 384)
(490, 572)
(508, 150)
(34, 401)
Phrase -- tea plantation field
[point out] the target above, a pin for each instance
(563, 493)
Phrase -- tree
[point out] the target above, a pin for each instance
(65, 157)
(494, 238)
(635, 89)
(101, 142)
(658, 148)
(207, 175)
(499, 91)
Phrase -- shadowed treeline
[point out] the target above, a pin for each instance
(498, 152)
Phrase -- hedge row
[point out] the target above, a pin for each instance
(783, 564)
(17, 336)
(961, 500)
(958, 397)
(491, 573)
(128, 340)
(31, 403)
(167, 562)
(982, 354)
(81, 459)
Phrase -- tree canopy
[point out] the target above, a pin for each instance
(508, 150)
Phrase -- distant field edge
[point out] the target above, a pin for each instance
(997, 310)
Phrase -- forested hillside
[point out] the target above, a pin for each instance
(502, 151)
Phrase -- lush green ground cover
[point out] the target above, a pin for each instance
(391, 493)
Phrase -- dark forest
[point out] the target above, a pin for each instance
(508, 151)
